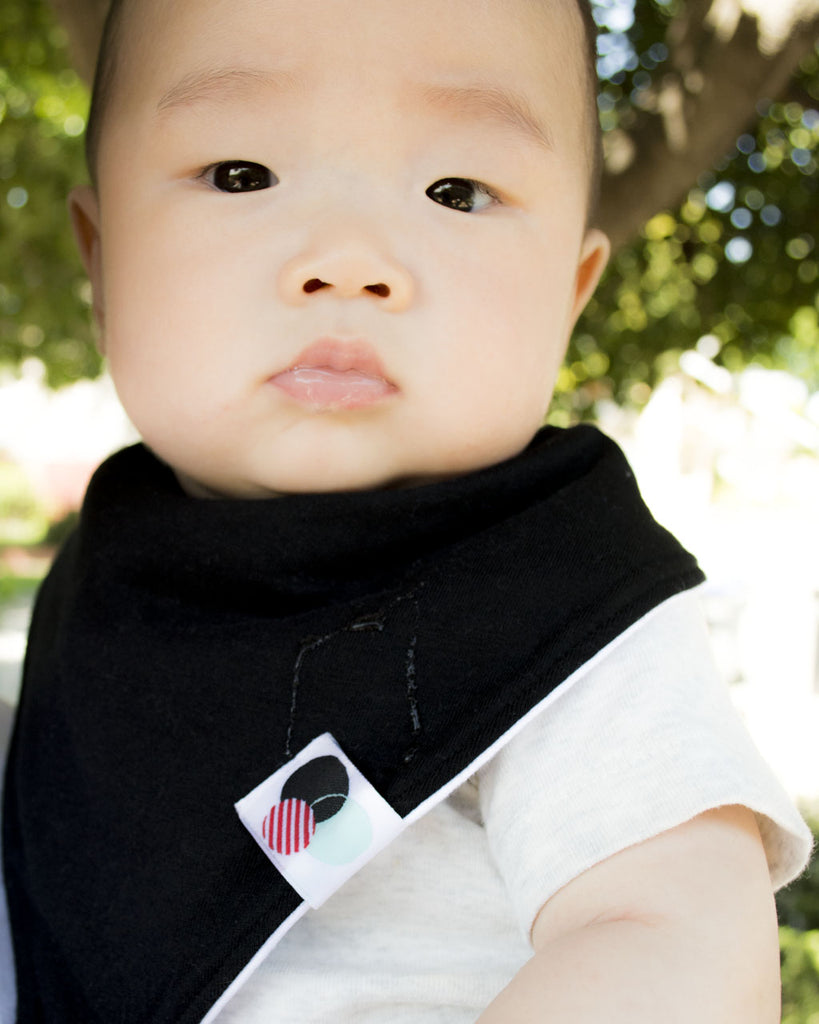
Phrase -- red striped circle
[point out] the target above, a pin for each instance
(289, 827)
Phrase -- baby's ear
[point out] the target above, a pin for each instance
(594, 255)
(83, 206)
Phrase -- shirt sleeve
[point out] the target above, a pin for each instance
(644, 740)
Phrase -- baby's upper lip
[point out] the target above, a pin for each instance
(341, 356)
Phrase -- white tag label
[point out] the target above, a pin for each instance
(318, 819)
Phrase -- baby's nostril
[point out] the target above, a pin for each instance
(315, 283)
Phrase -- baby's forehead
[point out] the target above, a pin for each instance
(137, 19)
(197, 45)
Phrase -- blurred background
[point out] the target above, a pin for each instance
(699, 352)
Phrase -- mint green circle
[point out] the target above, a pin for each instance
(342, 838)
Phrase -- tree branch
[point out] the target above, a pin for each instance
(82, 20)
(694, 121)
(686, 34)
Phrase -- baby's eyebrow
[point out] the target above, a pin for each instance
(489, 102)
(492, 103)
(213, 83)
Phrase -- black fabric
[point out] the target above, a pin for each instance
(182, 650)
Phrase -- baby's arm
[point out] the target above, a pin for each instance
(679, 928)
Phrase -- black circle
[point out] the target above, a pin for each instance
(323, 783)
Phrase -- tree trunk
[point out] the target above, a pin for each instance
(82, 20)
(694, 116)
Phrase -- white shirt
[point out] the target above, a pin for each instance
(641, 739)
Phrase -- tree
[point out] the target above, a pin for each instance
(44, 310)
(725, 205)
(698, 71)
(712, 137)
(83, 21)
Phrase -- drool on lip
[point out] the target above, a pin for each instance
(335, 375)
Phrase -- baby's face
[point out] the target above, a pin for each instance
(340, 243)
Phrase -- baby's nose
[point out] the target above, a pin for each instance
(348, 271)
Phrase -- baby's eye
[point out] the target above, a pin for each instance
(239, 176)
(462, 194)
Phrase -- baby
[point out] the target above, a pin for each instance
(350, 632)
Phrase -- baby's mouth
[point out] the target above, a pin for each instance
(332, 374)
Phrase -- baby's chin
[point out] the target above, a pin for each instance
(250, 479)
(196, 489)
(234, 492)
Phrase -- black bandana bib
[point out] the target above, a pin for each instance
(182, 651)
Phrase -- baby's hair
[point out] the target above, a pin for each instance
(103, 83)
(110, 48)
(591, 84)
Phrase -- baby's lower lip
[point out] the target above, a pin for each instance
(321, 387)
